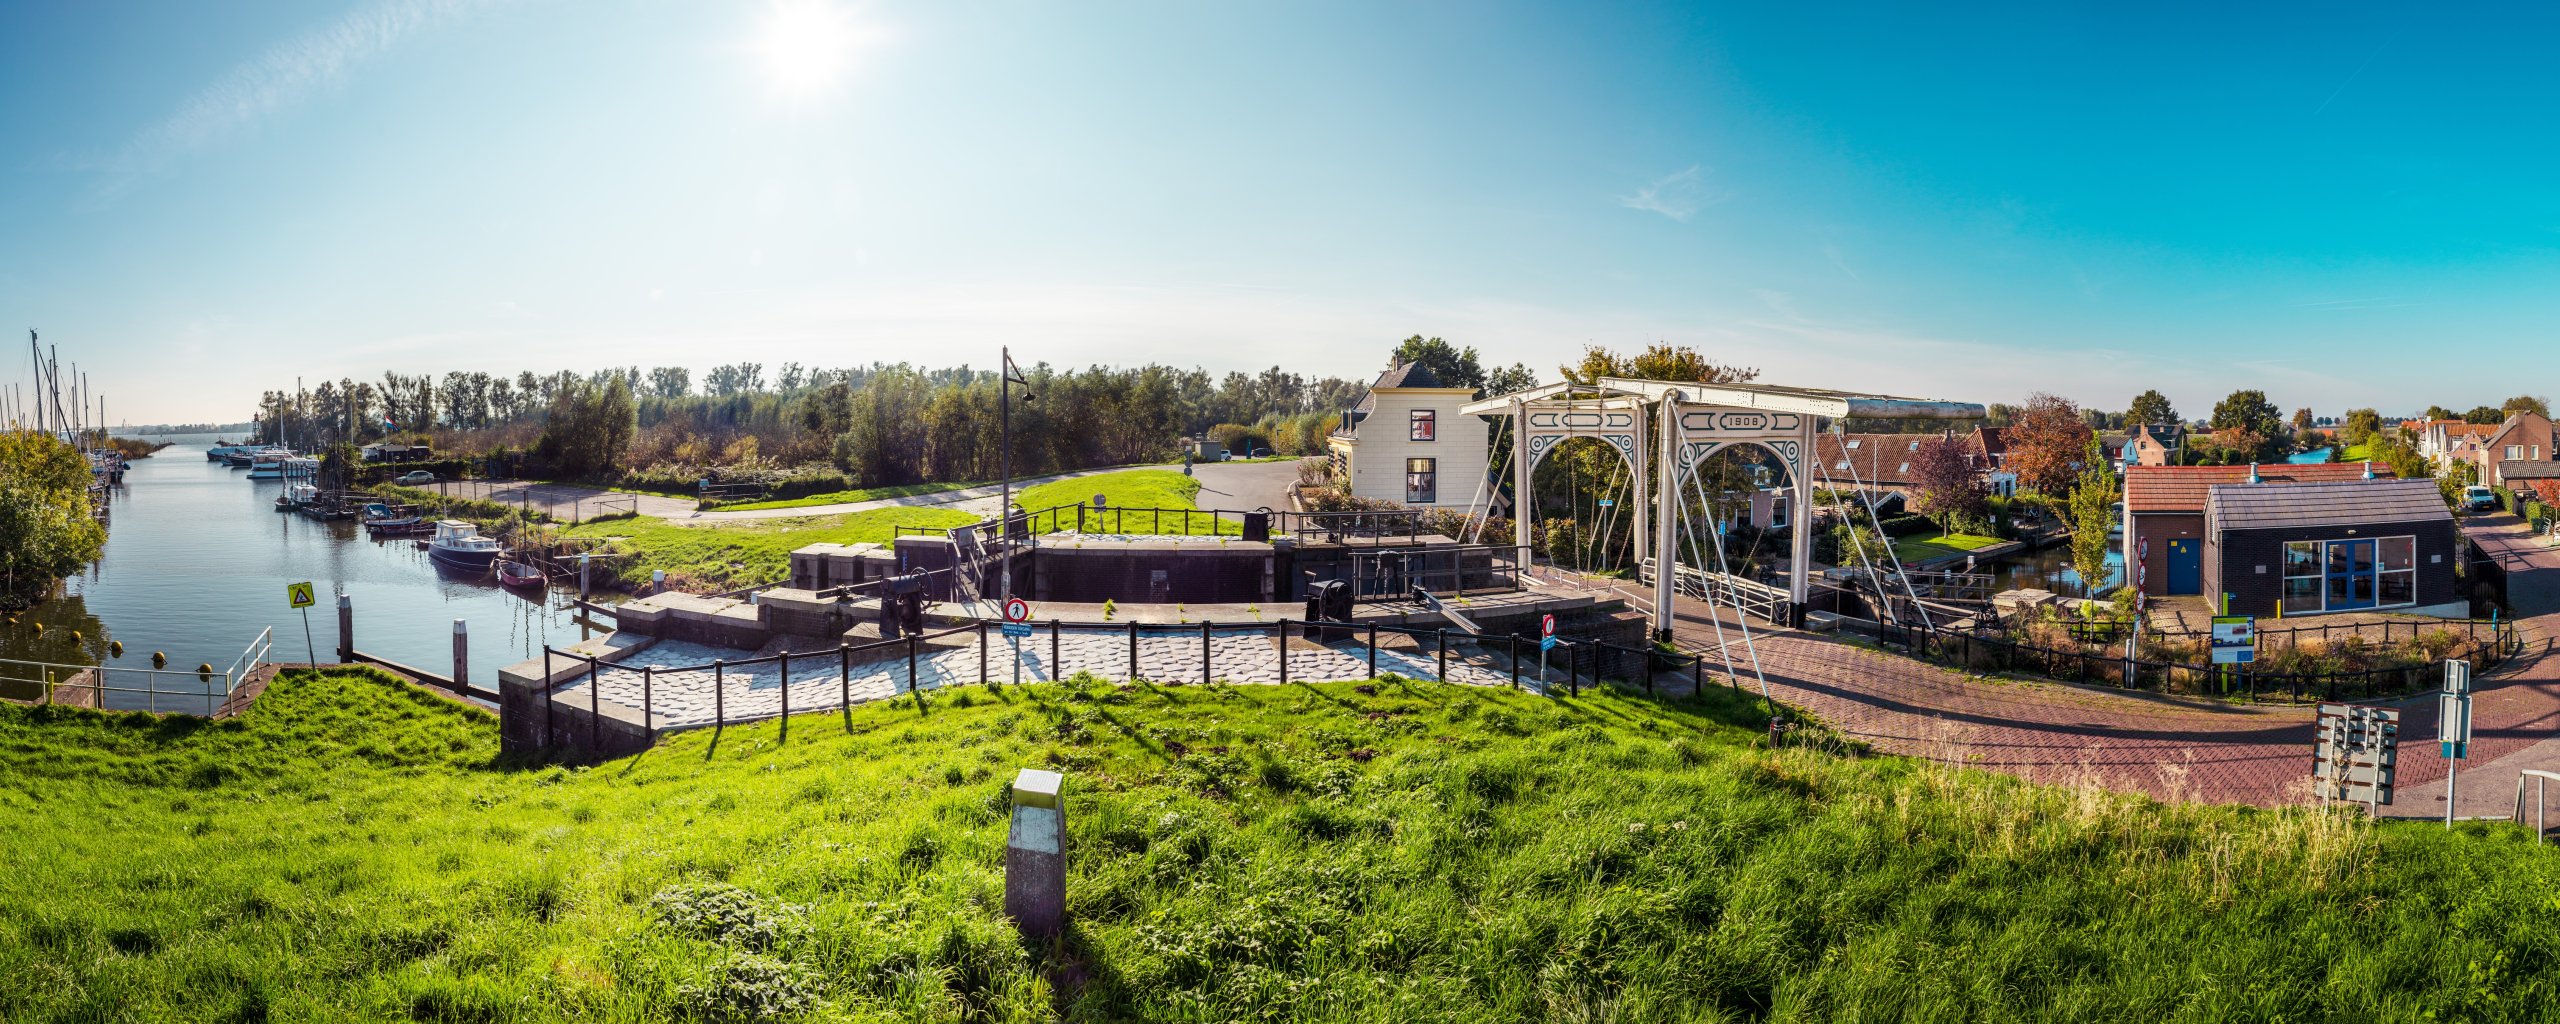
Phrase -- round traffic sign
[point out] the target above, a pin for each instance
(1016, 610)
(1547, 626)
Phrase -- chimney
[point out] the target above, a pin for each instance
(2368, 469)
(2253, 473)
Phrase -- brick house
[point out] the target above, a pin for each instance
(2155, 444)
(2164, 514)
(2332, 546)
(1407, 442)
(2523, 437)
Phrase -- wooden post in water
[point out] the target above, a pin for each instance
(462, 658)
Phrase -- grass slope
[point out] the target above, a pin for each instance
(744, 551)
(843, 497)
(353, 850)
(1125, 489)
(1939, 545)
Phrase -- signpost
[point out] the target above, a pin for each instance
(1017, 625)
(299, 596)
(2453, 726)
(2355, 748)
(1546, 640)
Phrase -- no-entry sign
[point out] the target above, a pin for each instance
(1016, 610)
(1546, 626)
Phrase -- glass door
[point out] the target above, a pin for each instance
(2351, 575)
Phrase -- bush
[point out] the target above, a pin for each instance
(1906, 526)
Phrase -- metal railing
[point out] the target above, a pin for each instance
(161, 690)
(2503, 635)
(1380, 524)
(1394, 574)
(2539, 778)
(1131, 520)
(1983, 653)
(1502, 656)
(1770, 604)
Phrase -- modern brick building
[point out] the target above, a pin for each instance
(2337, 546)
(2164, 514)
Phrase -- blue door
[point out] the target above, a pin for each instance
(2186, 566)
(2351, 575)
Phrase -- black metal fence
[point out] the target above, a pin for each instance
(1984, 653)
(1578, 660)
(1112, 519)
(1394, 574)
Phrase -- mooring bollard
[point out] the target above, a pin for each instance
(346, 629)
(462, 658)
(1035, 855)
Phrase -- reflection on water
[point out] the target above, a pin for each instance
(2051, 569)
(196, 564)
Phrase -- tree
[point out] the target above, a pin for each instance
(2046, 443)
(1945, 485)
(2249, 412)
(1659, 362)
(2093, 499)
(2534, 404)
(1516, 377)
(1456, 367)
(2361, 426)
(2302, 420)
(670, 381)
(2151, 407)
(2229, 446)
(2484, 414)
(590, 428)
(46, 531)
(2438, 412)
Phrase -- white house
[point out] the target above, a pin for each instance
(1406, 442)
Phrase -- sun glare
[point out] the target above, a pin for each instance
(806, 46)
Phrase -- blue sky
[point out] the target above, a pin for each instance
(2341, 206)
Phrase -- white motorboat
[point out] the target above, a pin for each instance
(298, 467)
(268, 465)
(460, 544)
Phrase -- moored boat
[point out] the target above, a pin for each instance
(460, 544)
(517, 574)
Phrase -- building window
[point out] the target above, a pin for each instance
(1419, 425)
(2301, 576)
(1853, 446)
(1421, 481)
(2399, 558)
(2515, 451)
(1778, 510)
(2351, 574)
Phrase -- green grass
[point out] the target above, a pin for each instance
(842, 497)
(738, 552)
(1125, 489)
(353, 850)
(1919, 548)
(2356, 453)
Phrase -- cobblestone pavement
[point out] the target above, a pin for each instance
(2167, 747)
(684, 696)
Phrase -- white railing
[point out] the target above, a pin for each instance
(173, 691)
(1760, 599)
(2539, 779)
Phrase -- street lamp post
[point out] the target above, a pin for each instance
(1007, 376)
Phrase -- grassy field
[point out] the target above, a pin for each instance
(353, 850)
(743, 551)
(843, 497)
(1938, 545)
(1126, 489)
(2356, 453)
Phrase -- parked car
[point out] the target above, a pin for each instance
(417, 477)
(2476, 498)
(1260, 453)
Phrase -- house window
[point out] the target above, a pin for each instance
(1906, 467)
(1853, 446)
(2352, 574)
(2515, 451)
(1915, 446)
(2301, 576)
(1419, 425)
(1841, 465)
(1778, 510)
(1421, 481)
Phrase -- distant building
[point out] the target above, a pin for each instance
(385, 451)
(1407, 442)
(2156, 444)
(2523, 438)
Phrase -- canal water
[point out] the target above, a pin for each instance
(2051, 569)
(196, 565)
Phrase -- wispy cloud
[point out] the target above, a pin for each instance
(274, 81)
(1679, 195)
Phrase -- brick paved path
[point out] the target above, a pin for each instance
(685, 696)
(2172, 748)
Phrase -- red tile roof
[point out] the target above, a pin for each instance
(2183, 488)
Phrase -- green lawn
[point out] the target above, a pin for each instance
(1127, 489)
(2356, 453)
(739, 552)
(1920, 548)
(355, 850)
(857, 494)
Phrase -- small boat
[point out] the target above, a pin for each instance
(296, 496)
(268, 465)
(460, 544)
(517, 574)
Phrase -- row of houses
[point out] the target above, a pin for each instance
(2519, 448)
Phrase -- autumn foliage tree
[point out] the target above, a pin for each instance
(1945, 486)
(2046, 443)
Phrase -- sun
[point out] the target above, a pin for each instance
(806, 46)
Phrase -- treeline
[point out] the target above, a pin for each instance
(882, 424)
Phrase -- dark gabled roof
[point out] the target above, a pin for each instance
(1407, 375)
(2337, 503)
(2528, 469)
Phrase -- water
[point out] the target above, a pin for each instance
(197, 561)
(2050, 569)
(2312, 457)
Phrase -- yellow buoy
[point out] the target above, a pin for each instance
(116, 648)
(204, 669)
(158, 659)
(75, 636)
(39, 629)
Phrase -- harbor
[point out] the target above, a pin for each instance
(197, 566)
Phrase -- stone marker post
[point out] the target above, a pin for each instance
(462, 657)
(1035, 855)
(346, 629)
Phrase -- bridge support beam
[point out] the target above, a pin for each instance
(1666, 518)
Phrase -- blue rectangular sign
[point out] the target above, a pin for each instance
(1547, 644)
(1017, 630)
